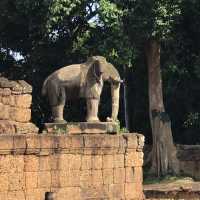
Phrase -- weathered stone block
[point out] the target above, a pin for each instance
(130, 174)
(44, 163)
(4, 114)
(110, 141)
(138, 175)
(6, 92)
(141, 140)
(72, 193)
(4, 182)
(77, 141)
(5, 163)
(93, 141)
(6, 127)
(133, 191)
(26, 128)
(93, 151)
(97, 192)
(86, 162)
(32, 144)
(86, 178)
(108, 176)
(23, 101)
(19, 144)
(119, 160)
(19, 114)
(108, 161)
(17, 164)
(16, 195)
(64, 162)
(6, 143)
(65, 143)
(7, 100)
(35, 194)
(116, 191)
(119, 175)
(16, 182)
(4, 195)
(55, 179)
(98, 128)
(45, 145)
(31, 179)
(109, 151)
(12, 100)
(31, 163)
(97, 162)
(97, 177)
(44, 179)
(134, 159)
(74, 161)
(64, 182)
(73, 178)
(132, 140)
(54, 162)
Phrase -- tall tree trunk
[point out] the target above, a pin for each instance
(126, 115)
(164, 160)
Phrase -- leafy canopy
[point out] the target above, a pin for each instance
(144, 19)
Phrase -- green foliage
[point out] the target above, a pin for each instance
(109, 14)
(52, 33)
(121, 130)
(193, 120)
(144, 19)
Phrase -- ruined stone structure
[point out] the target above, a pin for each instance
(188, 157)
(15, 112)
(182, 189)
(189, 160)
(79, 164)
(74, 167)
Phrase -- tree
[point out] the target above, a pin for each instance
(45, 33)
(147, 23)
(49, 34)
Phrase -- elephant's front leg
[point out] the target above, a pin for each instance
(92, 110)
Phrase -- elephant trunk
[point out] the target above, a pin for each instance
(115, 100)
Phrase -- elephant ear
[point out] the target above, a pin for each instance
(97, 70)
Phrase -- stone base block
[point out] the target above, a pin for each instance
(73, 167)
(82, 128)
(13, 127)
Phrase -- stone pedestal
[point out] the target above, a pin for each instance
(82, 128)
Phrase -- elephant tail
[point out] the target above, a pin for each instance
(44, 87)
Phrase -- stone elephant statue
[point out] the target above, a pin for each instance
(83, 80)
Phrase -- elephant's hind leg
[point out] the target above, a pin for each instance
(58, 104)
(57, 112)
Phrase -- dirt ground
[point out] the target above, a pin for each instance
(185, 188)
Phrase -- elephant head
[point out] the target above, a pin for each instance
(105, 71)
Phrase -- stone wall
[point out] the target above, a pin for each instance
(15, 103)
(74, 167)
(189, 159)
